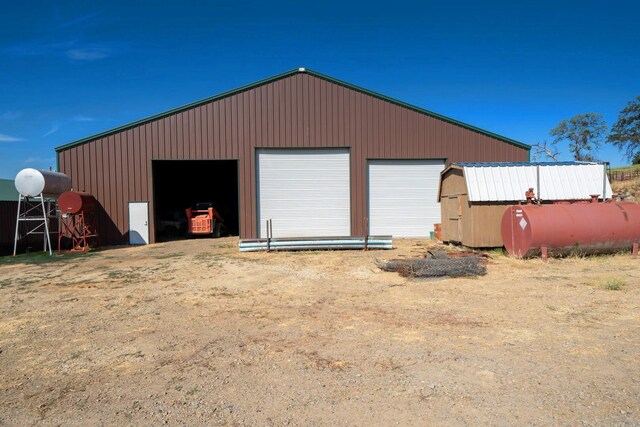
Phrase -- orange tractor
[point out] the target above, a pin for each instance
(203, 220)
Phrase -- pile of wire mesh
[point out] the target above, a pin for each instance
(438, 264)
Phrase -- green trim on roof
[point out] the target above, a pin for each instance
(279, 77)
(177, 110)
(8, 190)
(421, 110)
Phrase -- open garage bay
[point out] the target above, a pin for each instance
(182, 184)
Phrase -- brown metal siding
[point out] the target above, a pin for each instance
(8, 212)
(301, 110)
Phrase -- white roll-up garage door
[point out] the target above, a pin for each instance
(403, 197)
(305, 193)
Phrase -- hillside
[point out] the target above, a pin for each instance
(626, 168)
(630, 187)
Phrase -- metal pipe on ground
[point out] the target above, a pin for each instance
(373, 242)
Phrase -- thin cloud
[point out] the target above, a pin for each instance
(38, 48)
(40, 160)
(70, 49)
(81, 118)
(86, 54)
(76, 21)
(8, 138)
(54, 129)
(11, 115)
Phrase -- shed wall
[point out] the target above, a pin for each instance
(481, 226)
(476, 225)
(298, 111)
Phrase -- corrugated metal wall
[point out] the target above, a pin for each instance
(300, 110)
(8, 212)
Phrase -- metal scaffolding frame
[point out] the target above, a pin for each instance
(80, 229)
(35, 213)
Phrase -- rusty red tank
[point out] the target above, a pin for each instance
(73, 202)
(565, 228)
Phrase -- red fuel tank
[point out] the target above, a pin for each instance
(73, 202)
(570, 227)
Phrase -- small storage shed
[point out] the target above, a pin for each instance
(474, 196)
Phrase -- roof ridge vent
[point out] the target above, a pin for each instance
(302, 69)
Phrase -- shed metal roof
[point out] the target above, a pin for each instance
(8, 190)
(502, 164)
(495, 182)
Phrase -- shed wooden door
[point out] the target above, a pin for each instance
(454, 218)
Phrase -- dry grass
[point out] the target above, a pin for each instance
(630, 168)
(630, 187)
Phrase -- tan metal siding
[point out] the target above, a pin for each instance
(300, 110)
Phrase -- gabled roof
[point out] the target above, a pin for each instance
(282, 76)
(508, 182)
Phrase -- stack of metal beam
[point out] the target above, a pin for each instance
(315, 243)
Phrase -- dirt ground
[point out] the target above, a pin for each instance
(194, 332)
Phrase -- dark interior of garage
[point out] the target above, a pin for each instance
(182, 184)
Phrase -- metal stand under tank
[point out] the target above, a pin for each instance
(36, 203)
(77, 221)
(36, 215)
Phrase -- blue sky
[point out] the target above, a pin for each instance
(70, 69)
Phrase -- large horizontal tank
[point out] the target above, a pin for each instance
(73, 202)
(566, 228)
(31, 182)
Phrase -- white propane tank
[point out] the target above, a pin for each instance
(31, 182)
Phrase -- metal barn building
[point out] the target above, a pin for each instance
(8, 213)
(317, 156)
(474, 196)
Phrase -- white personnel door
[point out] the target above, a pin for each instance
(138, 223)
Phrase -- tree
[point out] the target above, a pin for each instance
(545, 150)
(585, 133)
(625, 134)
(636, 159)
